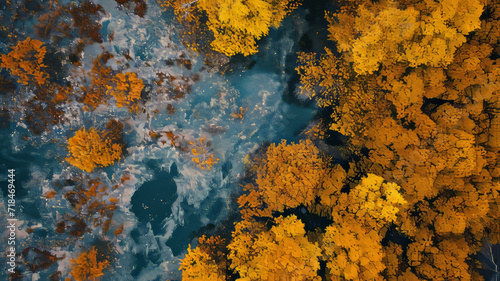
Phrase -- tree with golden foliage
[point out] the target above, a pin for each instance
(26, 62)
(291, 175)
(86, 266)
(352, 252)
(208, 261)
(90, 149)
(447, 259)
(351, 245)
(236, 25)
(281, 253)
(372, 203)
(426, 33)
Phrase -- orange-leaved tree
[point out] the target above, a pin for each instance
(101, 76)
(281, 253)
(426, 33)
(87, 266)
(352, 252)
(26, 62)
(127, 90)
(91, 148)
(208, 261)
(291, 175)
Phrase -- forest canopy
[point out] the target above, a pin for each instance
(414, 87)
(396, 177)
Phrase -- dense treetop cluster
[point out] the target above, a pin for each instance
(414, 85)
(413, 88)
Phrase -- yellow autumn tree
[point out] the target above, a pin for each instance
(236, 25)
(26, 62)
(351, 245)
(90, 149)
(373, 203)
(87, 266)
(208, 261)
(281, 253)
